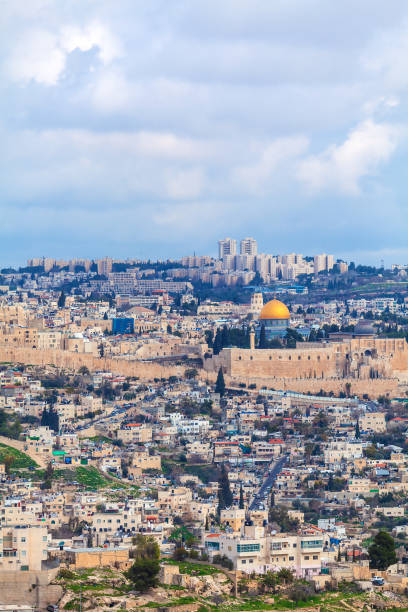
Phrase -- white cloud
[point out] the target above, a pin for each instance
(40, 55)
(273, 156)
(36, 57)
(185, 183)
(341, 167)
(95, 34)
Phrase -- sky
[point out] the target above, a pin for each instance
(151, 129)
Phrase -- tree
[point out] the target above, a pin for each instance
(269, 581)
(50, 418)
(241, 498)
(262, 338)
(180, 554)
(382, 551)
(225, 498)
(101, 350)
(220, 383)
(285, 575)
(144, 574)
(8, 461)
(48, 474)
(357, 430)
(144, 571)
(191, 373)
(61, 300)
(83, 370)
(146, 547)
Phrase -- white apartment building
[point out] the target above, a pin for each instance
(253, 551)
(373, 422)
(228, 246)
(23, 547)
(323, 262)
(340, 451)
(248, 246)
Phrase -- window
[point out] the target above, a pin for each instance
(251, 560)
(315, 557)
(311, 543)
(243, 561)
(306, 557)
(248, 547)
(291, 558)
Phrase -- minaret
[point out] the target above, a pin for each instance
(252, 338)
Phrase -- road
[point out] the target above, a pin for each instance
(267, 484)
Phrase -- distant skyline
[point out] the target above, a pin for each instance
(153, 129)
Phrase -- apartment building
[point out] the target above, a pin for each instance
(23, 547)
(340, 451)
(113, 520)
(253, 551)
(373, 422)
(134, 432)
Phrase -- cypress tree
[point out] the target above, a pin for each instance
(225, 337)
(217, 346)
(241, 498)
(61, 300)
(262, 338)
(220, 383)
(225, 498)
(357, 430)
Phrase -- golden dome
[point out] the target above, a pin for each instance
(274, 310)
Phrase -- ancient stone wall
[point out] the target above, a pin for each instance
(29, 588)
(68, 360)
(373, 388)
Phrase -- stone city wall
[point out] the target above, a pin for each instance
(373, 388)
(73, 361)
(29, 588)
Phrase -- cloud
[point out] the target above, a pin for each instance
(342, 167)
(40, 55)
(168, 124)
(37, 57)
(273, 158)
(185, 183)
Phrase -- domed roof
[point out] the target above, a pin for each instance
(364, 327)
(274, 310)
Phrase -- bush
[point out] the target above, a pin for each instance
(66, 574)
(300, 591)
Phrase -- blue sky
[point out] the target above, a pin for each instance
(151, 129)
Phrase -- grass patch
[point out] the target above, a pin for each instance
(87, 476)
(194, 569)
(21, 460)
(204, 471)
(101, 439)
